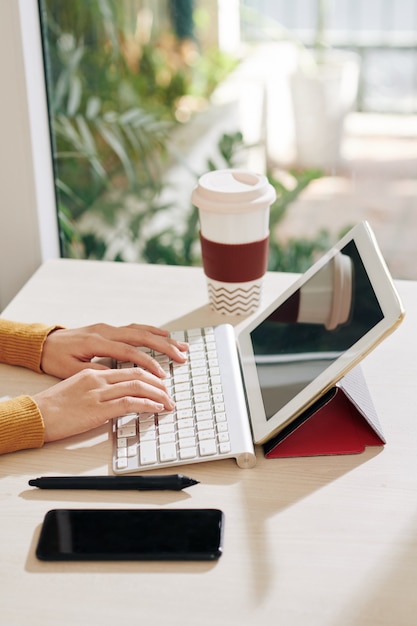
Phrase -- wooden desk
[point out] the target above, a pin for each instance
(328, 541)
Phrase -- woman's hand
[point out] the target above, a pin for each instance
(93, 396)
(67, 351)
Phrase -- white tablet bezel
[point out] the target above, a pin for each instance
(393, 312)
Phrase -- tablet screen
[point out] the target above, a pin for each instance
(319, 321)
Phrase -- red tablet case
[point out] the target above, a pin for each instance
(343, 421)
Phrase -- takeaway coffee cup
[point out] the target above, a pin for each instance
(233, 207)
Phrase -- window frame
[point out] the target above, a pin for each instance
(28, 216)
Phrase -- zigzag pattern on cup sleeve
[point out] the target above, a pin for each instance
(237, 301)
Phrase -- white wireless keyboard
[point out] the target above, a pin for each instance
(197, 430)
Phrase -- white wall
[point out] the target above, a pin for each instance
(28, 224)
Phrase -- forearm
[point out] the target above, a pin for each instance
(21, 344)
(21, 425)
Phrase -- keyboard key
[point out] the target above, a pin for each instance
(198, 371)
(121, 463)
(196, 345)
(206, 434)
(197, 364)
(188, 453)
(180, 368)
(184, 413)
(185, 423)
(194, 332)
(166, 428)
(147, 453)
(203, 406)
(205, 425)
(127, 431)
(182, 386)
(182, 395)
(167, 452)
(132, 450)
(221, 427)
(126, 420)
(207, 448)
(166, 418)
(181, 378)
(183, 404)
(201, 416)
(144, 417)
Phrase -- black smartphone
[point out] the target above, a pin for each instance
(131, 534)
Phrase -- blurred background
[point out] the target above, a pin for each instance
(145, 96)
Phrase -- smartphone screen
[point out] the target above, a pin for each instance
(131, 534)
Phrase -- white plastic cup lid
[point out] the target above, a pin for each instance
(233, 191)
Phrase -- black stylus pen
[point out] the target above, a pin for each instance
(173, 482)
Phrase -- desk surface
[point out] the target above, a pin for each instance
(329, 541)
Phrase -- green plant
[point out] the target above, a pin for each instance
(114, 97)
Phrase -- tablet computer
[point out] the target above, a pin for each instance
(316, 331)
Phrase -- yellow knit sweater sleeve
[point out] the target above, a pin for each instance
(21, 424)
(21, 344)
